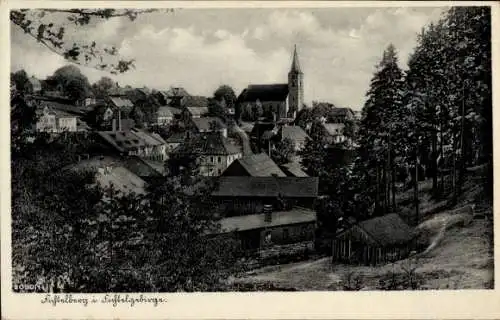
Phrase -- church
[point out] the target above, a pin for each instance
(279, 100)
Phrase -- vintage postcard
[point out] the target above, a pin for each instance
(249, 160)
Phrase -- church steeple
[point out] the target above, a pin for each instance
(295, 86)
(295, 62)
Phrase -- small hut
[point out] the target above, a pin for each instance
(370, 242)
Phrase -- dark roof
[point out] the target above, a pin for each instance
(293, 169)
(264, 92)
(336, 112)
(122, 179)
(64, 107)
(142, 168)
(203, 124)
(195, 102)
(130, 140)
(257, 221)
(207, 144)
(290, 187)
(258, 165)
(295, 133)
(387, 230)
(121, 102)
(176, 137)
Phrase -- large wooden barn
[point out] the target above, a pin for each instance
(374, 241)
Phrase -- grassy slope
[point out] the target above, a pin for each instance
(463, 259)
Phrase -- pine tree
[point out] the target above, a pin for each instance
(378, 132)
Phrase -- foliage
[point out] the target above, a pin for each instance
(20, 79)
(74, 84)
(379, 129)
(218, 108)
(108, 241)
(103, 87)
(226, 93)
(283, 152)
(50, 28)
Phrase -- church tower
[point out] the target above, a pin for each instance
(295, 86)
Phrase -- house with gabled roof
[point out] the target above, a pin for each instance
(273, 234)
(209, 124)
(136, 143)
(241, 195)
(377, 240)
(111, 171)
(295, 134)
(214, 152)
(164, 116)
(255, 165)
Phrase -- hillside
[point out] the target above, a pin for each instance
(459, 256)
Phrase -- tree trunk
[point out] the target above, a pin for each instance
(415, 191)
(377, 192)
(434, 162)
(461, 168)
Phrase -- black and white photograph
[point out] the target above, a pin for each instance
(181, 150)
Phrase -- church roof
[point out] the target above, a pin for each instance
(264, 92)
(295, 62)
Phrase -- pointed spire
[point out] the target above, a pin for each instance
(295, 61)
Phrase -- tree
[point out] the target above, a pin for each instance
(378, 134)
(283, 152)
(225, 93)
(46, 27)
(20, 79)
(217, 108)
(103, 87)
(75, 85)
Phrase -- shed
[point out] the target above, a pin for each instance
(378, 240)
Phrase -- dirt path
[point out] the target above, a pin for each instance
(463, 259)
(245, 140)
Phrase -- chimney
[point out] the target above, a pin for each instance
(268, 213)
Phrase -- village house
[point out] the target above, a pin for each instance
(175, 140)
(279, 100)
(374, 241)
(296, 134)
(243, 195)
(255, 165)
(110, 171)
(164, 116)
(275, 234)
(213, 151)
(136, 143)
(335, 132)
(173, 97)
(145, 169)
(33, 85)
(89, 100)
(340, 115)
(293, 169)
(195, 106)
(208, 124)
(55, 121)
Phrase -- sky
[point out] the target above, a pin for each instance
(201, 49)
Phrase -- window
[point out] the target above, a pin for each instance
(219, 159)
(212, 159)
